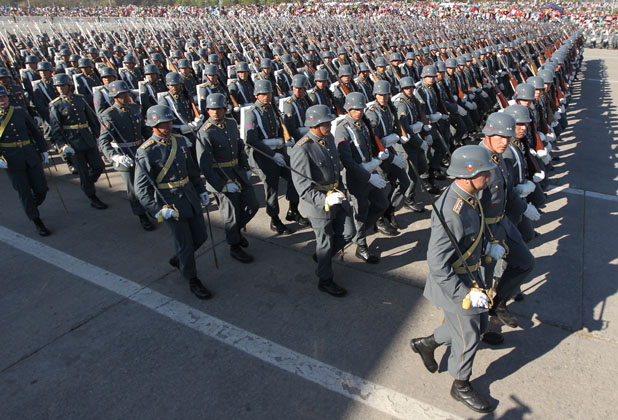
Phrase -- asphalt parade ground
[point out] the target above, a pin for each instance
(96, 325)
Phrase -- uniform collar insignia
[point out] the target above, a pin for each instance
(496, 158)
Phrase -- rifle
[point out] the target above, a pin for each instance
(503, 102)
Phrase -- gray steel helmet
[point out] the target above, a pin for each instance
(3, 91)
(354, 100)
(129, 59)
(266, 63)
(525, 91)
(406, 82)
(546, 75)
(461, 60)
(300, 81)
(213, 58)
(429, 71)
(117, 87)
(210, 70)
(536, 81)
(381, 87)
(262, 87)
(381, 62)
(363, 67)
(321, 76)
(396, 56)
(158, 114)
(318, 114)
(74, 57)
(31, 59)
(287, 59)
(173, 78)
(242, 66)
(440, 66)
(469, 161)
(84, 62)
(157, 57)
(151, 69)
(451, 63)
(500, 124)
(215, 101)
(107, 72)
(410, 56)
(183, 63)
(345, 70)
(4, 72)
(520, 112)
(62, 79)
(44, 66)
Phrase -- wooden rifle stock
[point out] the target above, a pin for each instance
(503, 102)
(375, 138)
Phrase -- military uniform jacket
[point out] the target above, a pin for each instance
(355, 147)
(180, 106)
(73, 122)
(242, 90)
(444, 287)
(262, 123)
(17, 96)
(444, 92)
(339, 94)
(426, 95)
(131, 77)
(322, 97)
(20, 129)
(294, 110)
(179, 186)
(43, 92)
(495, 198)
(148, 94)
(221, 154)
(284, 81)
(190, 84)
(317, 159)
(86, 84)
(120, 121)
(365, 86)
(206, 89)
(408, 115)
(27, 77)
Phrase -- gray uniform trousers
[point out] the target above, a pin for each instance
(31, 186)
(415, 156)
(127, 177)
(462, 333)
(236, 210)
(189, 234)
(90, 167)
(331, 235)
(369, 204)
(269, 173)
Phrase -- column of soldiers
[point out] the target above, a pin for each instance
(354, 137)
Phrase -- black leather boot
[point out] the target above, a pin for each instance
(425, 348)
(276, 225)
(198, 289)
(332, 288)
(463, 391)
(383, 225)
(294, 215)
(146, 223)
(363, 253)
(503, 314)
(413, 205)
(40, 227)
(239, 254)
(96, 203)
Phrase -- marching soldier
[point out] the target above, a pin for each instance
(316, 160)
(345, 75)
(242, 87)
(87, 80)
(169, 186)
(265, 133)
(212, 85)
(495, 199)
(223, 161)
(74, 129)
(186, 122)
(364, 83)
(29, 74)
(22, 149)
(321, 94)
(122, 132)
(151, 87)
(100, 96)
(462, 295)
(361, 158)
(130, 73)
(295, 107)
(186, 71)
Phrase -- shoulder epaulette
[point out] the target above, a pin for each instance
(55, 100)
(304, 140)
(458, 206)
(207, 126)
(372, 108)
(147, 144)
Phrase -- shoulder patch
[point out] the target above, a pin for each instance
(458, 206)
(147, 144)
(207, 126)
(55, 100)
(372, 108)
(302, 141)
(289, 101)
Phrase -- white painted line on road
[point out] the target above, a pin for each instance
(577, 191)
(600, 80)
(356, 388)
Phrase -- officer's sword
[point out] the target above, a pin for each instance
(56, 186)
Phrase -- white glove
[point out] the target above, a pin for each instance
(196, 123)
(125, 161)
(3, 164)
(334, 198)
(478, 299)
(495, 251)
(249, 173)
(539, 176)
(231, 187)
(455, 98)
(38, 121)
(417, 127)
(166, 213)
(542, 136)
(471, 96)
(279, 159)
(544, 155)
(461, 111)
(532, 213)
(45, 157)
(68, 150)
(377, 181)
(468, 105)
(404, 139)
(429, 139)
(371, 165)
(205, 198)
(185, 129)
(427, 127)
(435, 117)
(399, 161)
(273, 144)
(383, 155)
(474, 106)
(445, 116)
(525, 189)
(484, 94)
(424, 146)
(290, 142)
